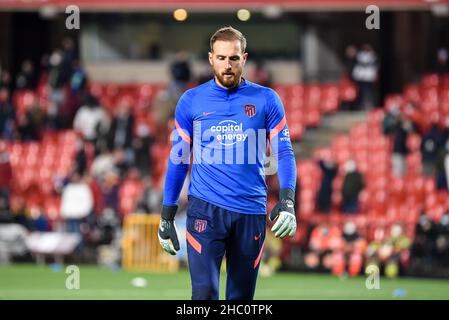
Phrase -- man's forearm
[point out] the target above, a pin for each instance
(287, 169)
(174, 181)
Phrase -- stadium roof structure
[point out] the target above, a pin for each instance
(225, 5)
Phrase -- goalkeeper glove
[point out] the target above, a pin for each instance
(284, 212)
(167, 234)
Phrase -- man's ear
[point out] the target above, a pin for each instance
(210, 58)
(245, 56)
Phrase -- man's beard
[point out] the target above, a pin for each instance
(228, 81)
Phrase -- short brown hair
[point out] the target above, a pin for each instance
(228, 34)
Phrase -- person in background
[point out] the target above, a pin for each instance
(150, 199)
(120, 135)
(21, 214)
(76, 203)
(442, 62)
(350, 60)
(102, 164)
(324, 198)
(6, 81)
(442, 241)
(365, 75)
(56, 82)
(424, 245)
(26, 79)
(400, 149)
(91, 120)
(181, 74)
(353, 184)
(7, 115)
(394, 246)
(430, 144)
(80, 157)
(442, 168)
(6, 175)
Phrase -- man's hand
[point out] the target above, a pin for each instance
(284, 212)
(167, 234)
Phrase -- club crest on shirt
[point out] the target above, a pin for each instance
(200, 225)
(250, 110)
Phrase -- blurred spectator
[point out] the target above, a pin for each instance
(30, 124)
(56, 80)
(400, 149)
(444, 132)
(80, 157)
(324, 198)
(353, 184)
(181, 74)
(76, 203)
(21, 214)
(442, 241)
(365, 76)
(350, 60)
(324, 239)
(110, 187)
(390, 252)
(5, 80)
(91, 120)
(391, 120)
(74, 97)
(142, 144)
(7, 115)
(78, 81)
(45, 65)
(26, 78)
(154, 51)
(442, 62)
(69, 56)
(97, 194)
(39, 221)
(354, 246)
(430, 143)
(260, 74)
(424, 245)
(102, 164)
(6, 177)
(121, 133)
(151, 198)
(399, 244)
(121, 162)
(5, 210)
(442, 168)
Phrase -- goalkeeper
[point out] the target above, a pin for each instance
(226, 124)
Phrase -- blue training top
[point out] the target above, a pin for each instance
(228, 130)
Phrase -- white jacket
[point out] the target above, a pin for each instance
(77, 201)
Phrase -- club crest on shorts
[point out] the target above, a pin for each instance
(250, 110)
(200, 225)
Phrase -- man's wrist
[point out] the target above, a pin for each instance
(287, 194)
(169, 212)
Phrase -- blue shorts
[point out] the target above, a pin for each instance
(212, 232)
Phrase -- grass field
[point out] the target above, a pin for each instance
(44, 282)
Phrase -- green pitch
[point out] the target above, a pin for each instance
(34, 282)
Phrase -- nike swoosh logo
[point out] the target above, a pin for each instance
(208, 113)
(257, 237)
